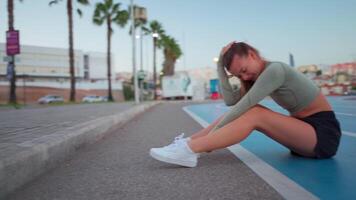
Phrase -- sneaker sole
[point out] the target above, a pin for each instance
(172, 161)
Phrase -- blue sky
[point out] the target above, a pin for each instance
(315, 31)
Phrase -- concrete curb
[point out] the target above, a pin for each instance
(44, 153)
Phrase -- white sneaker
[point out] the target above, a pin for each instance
(178, 152)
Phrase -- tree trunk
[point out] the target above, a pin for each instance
(10, 12)
(71, 51)
(168, 65)
(110, 97)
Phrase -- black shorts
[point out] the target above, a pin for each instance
(328, 133)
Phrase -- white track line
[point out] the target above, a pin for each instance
(347, 114)
(349, 133)
(281, 183)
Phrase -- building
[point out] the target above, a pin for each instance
(344, 73)
(45, 70)
(337, 79)
(310, 71)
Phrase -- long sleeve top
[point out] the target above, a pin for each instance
(288, 87)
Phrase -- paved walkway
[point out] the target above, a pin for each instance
(19, 126)
(119, 167)
(35, 140)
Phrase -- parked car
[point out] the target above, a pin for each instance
(105, 98)
(92, 99)
(50, 99)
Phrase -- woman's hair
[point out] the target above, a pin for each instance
(241, 49)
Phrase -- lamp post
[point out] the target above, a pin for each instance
(137, 13)
(139, 71)
(134, 52)
(155, 36)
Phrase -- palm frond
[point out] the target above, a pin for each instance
(53, 2)
(83, 2)
(115, 8)
(121, 18)
(108, 4)
(79, 12)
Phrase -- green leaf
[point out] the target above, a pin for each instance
(115, 8)
(121, 18)
(108, 4)
(79, 12)
(83, 2)
(53, 2)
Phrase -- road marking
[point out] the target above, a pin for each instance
(349, 133)
(281, 183)
(347, 114)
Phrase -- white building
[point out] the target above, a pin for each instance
(95, 66)
(43, 62)
(50, 66)
(46, 70)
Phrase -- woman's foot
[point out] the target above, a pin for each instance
(178, 153)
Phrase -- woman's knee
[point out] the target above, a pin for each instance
(257, 112)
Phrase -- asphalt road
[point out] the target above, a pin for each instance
(119, 167)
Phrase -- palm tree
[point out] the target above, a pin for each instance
(71, 51)
(155, 28)
(10, 12)
(109, 13)
(172, 52)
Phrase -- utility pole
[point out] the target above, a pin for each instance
(12, 48)
(141, 65)
(155, 36)
(137, 13)
(137, 100)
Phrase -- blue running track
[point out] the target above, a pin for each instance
(333, 178)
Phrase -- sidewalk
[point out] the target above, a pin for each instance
(35, 140)
(119, 167)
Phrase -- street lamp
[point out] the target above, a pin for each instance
(134, 52)
(137, 13)
(155, 36)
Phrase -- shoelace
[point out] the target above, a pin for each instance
(179, 137)
(176, 141)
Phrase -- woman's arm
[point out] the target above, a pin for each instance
(230, 95)
(268, 81)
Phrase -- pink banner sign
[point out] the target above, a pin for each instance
(12, 42)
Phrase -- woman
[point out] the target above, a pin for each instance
(311, 129)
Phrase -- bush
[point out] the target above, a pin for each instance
(128, 92)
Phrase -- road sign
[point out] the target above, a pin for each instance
(9, 59)
(9, 71)
(141, 74)
(12, 42)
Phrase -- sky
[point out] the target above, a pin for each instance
(314, 31)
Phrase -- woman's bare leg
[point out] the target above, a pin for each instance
(288, 131)
(206, 130)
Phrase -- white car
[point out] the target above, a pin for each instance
(105, 98)
(50, 99)
(92, 99)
